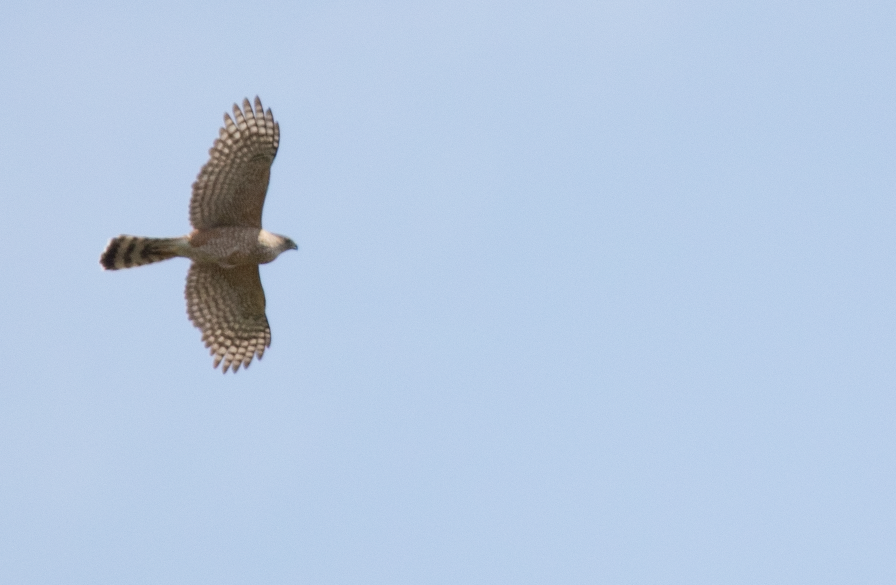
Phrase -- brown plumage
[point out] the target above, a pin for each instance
(225, 299)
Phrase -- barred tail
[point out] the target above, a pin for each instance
(130, 251)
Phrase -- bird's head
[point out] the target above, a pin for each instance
(275, 243)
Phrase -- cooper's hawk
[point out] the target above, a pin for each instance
(224, 295)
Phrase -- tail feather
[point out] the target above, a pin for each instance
(130, 251)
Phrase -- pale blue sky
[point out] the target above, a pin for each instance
(587, 292)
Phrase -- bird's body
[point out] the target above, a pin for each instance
(224, 295)
(236, 246)
(225, 246)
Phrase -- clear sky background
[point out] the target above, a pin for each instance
(587, 292)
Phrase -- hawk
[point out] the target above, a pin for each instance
(224, 295)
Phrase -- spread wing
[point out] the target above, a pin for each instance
(227, 305)
(230, 188)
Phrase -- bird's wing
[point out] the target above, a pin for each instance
(230, 188)
(227, 305)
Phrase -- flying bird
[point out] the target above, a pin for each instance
(225, 299)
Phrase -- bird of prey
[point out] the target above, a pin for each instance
(225, 299)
